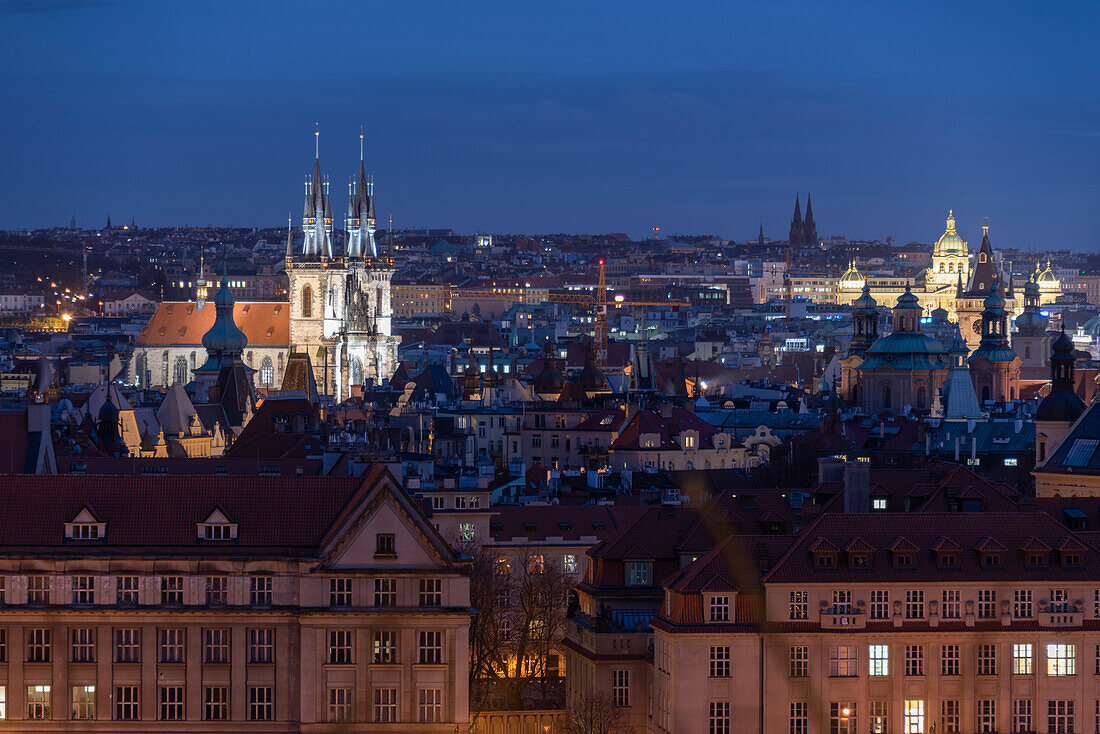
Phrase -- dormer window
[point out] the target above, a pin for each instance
(85, 526)
(991, 560)
(903, 560)
(949, 559)
(825, 560)
(1071, 559)
(1036, 560)
(824, 554)
(217, 528)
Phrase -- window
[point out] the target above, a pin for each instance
(171, 645)
(800, 717)
(215, 703)
(127, 703)
(385, 592)
(987, 604)
(719, 661)
(261, 703)
(221, 530)
(215, 645)
(987, 660)
(467, 532)
(127, 645)
(719, 609)
(880, 604)
(878, 660)
(949, 716)
(1021, 715)
(914, 659)
(430, 705)
(914, 604)
(171, 590)
(339, 592)
(951, 606)
(1059, 601)
(1021, 604)
(260, 590)
(385, 647)
(83, 650)
(842, 661)
(83, 703)
(987, 715)
(1060, 716)
(949, 660)
(878, 503)
(430, 647)
(569, 563)
(3, 646)
(339, 647)
(799, 605)
(1021, 658)
(800, 661)
(267, 372)
(126, 590)
(384, 545)
(83, 590)
(719, 718)
(38, 645)
(913, 717)
(171, 703)
(261, 646)
(38, 589)
(637, 573)
(385, 705)
(217, 591)
(339, 704)
(38, 702)
(842, 717)
(307, 302)
(842, 602)
(620, 687)
(431, 592)
(1061, 659)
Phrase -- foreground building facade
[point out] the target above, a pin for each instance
(268, 605)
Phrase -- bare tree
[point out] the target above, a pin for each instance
(593, 714)
(520, 598)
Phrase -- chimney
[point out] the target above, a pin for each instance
(857, 486)
(830, 469)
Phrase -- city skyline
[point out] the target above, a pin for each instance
(514, 120)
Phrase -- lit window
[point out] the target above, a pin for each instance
(878, 660)
(1061, 659)
(1021, 658)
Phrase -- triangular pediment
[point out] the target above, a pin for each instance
(85, 516)
(217, 517)
(382, 508)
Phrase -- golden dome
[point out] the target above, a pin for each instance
(852, 277)
(1047, 277)
(949, 242)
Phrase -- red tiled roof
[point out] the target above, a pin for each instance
(649, 421)
(990, 531)
(284, 515)
(266, 324)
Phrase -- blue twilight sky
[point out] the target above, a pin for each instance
(561, 116)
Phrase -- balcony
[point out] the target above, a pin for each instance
(839, 617)
(1061, 615)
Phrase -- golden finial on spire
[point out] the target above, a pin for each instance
(317, 140)
(360, 142)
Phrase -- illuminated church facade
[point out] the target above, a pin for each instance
(339, 311)
(955, 281)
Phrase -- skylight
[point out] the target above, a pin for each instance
(1081, 451)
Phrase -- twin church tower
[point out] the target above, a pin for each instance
(339, 292)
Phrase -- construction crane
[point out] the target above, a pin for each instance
(596, 301)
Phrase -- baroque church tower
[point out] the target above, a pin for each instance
(340, 309)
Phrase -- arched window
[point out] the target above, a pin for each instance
(886, 397)
(941, 267)
(179, 371)
(981, 257)
(356, 371)
(981, 286)
(920, 398)
(985, 393)
(267, 373)
(307, 302)
(855, 393)
(1027, 351)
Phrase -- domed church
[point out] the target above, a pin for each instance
(904, 368)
